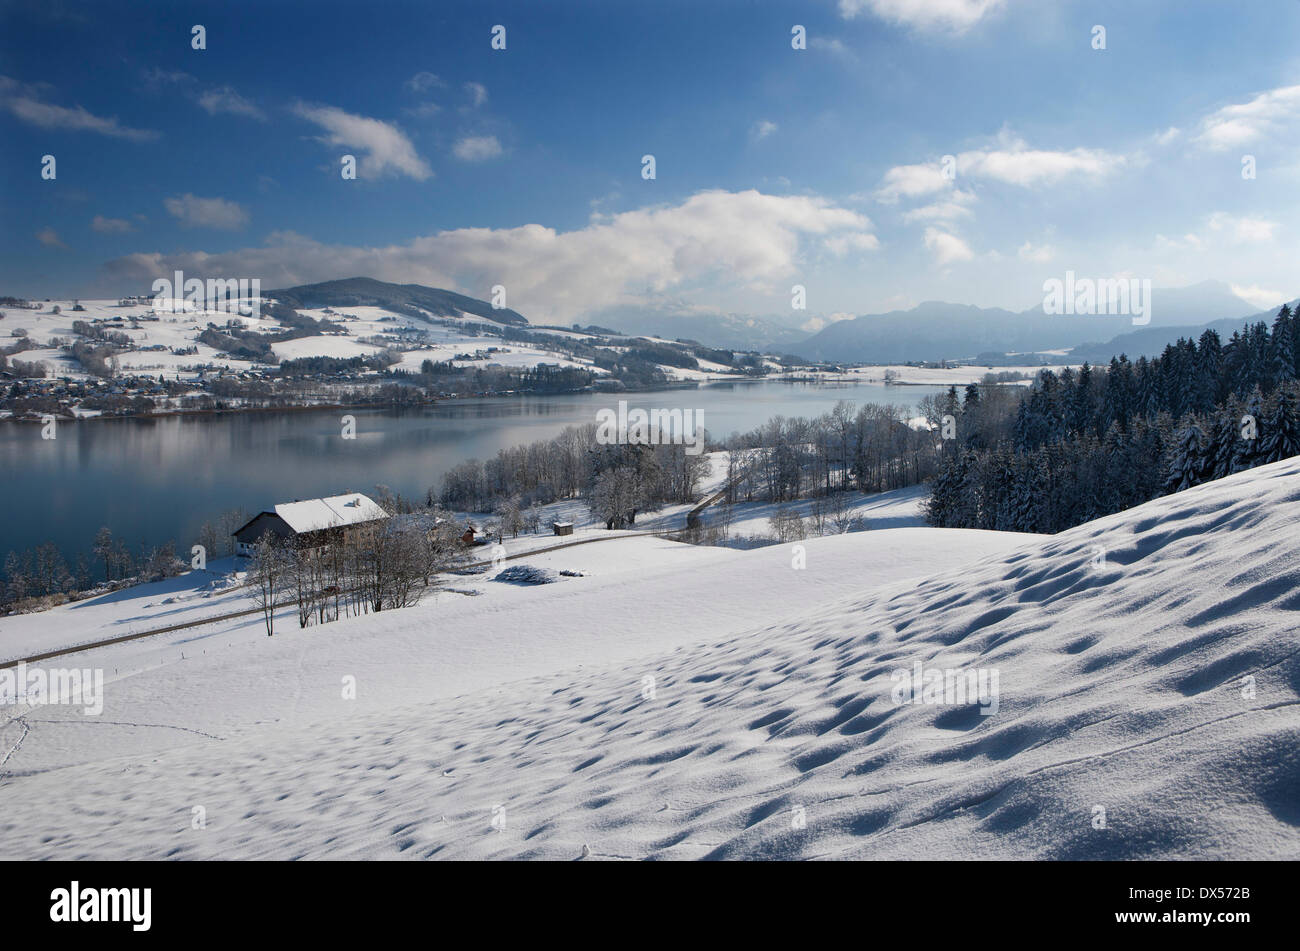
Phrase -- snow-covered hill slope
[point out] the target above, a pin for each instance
(1146, 707)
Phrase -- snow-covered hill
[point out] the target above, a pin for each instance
(681, 702)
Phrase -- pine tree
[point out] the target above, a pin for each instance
(1280, 432)
(1282, 358)
(1189, 463)
(1224, 435)
(1245, 453)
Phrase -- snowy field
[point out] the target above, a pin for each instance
(689, 702)
(364, 325)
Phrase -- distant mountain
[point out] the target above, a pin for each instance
(1151, 341)
(936, 330)
(728, 331)
(414, 300)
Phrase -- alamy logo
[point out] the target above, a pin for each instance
(74, 904)
(180, 295)
(947, 685)
(654, 427)
(1106, 297)
(59, 685)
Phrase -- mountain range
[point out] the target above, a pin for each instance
(930, 331)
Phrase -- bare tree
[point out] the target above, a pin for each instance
(266, 577)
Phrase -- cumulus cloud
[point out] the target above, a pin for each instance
(477, 93)
(226, 100)
(947, 248)
(195, 212)
(952, 15)
(110, 225)
(476, 148)
(50, 238)
(27, 104)
(386, 149)
(1266, 114)
(762, 129)
(744, 240)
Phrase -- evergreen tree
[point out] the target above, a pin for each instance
(1190, 459)
(1245, 454)
(1224, 434)
(1282, 358)
(1280, 432)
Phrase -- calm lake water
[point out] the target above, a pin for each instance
(153, 480)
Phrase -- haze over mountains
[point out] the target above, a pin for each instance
(931, 331)
(937, 330)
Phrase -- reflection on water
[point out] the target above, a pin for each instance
(151, 480)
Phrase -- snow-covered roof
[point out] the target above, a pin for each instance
(314, 514)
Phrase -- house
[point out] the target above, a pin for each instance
(468, 535)
(562, 528)
(309, 523)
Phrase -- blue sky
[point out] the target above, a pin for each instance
(774, 166)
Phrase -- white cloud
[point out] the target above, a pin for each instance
(423, 82)
(226, 100)
(953, 206)
(954, 15)
(476, 148)
(477, 93)
(1027, 168)
(814, 324)
(195, 212)
(110, 225)
(25, 103)
(1169, 135)
(50, 238)
(1240, 124)
(947, 248)
(1188, 242)
(1012, 163)
(1221, 230)
(1241, 229)
(911, 181)
(762, 129)
(1257, 296)
(840, 245)
(737, 240)
(1036, 254)
(387, 149)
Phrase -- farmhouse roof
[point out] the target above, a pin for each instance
(337, 510)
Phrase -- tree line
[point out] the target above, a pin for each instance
(1081, 445)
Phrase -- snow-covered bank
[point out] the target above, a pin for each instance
(1152, 684)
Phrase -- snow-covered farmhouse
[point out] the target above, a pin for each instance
(310, 522)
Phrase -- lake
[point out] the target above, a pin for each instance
(151, 480)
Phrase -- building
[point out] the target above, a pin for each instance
(309, 523)
(562, 528)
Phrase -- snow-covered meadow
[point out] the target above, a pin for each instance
(675, 701)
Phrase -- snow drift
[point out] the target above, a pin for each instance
(1148, 667)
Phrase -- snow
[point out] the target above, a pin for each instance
(692, 702)
(314, 514)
